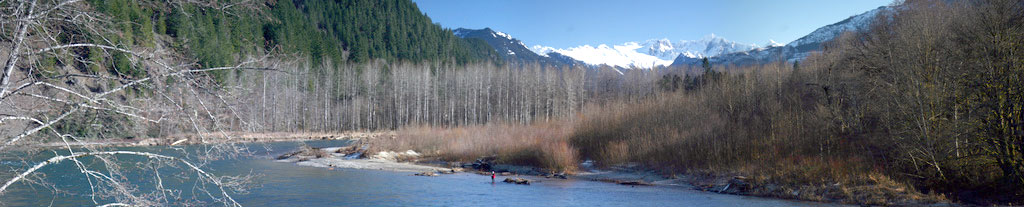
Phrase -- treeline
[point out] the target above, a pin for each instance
(388, 96)
(383, 96)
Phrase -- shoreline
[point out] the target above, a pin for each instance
(409, 161)
(630, 174)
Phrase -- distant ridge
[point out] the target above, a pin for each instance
(796, 50)
(511, 49)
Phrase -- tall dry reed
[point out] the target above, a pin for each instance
(543, 145)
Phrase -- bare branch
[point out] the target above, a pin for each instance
(40, 127)
(12, 59)
(57, 159)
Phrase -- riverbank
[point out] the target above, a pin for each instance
(882, 192)
(522, 151)
(356, 156)
(544, 149)
(632, 174)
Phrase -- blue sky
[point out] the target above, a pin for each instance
(569, 23)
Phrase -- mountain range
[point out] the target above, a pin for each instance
(647, 54)
(664, 52)
(796, 50)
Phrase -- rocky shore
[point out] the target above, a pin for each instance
(356, 157)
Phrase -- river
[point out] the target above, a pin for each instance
(287, 184)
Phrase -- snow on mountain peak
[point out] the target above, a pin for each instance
(662, 45)
(463, 33)
(623, 55)
(650, 53)
(542, 50)
(854, 23)
(502, 34)
(710, 45)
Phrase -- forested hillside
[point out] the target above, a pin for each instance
(118, 47)
(340, 31)
(368, 29)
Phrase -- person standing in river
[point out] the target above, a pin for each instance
(492, 176)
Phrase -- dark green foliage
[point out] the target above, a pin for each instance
(367, 29)
(132, 19)
(48, 66)
(690, 83)
(704, 63)
(340, 31)
(215, 38)
(96, 56)
(670, 82)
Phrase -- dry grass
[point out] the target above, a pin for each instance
(543, 145)
(845, 180)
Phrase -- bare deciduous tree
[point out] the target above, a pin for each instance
(45, 85)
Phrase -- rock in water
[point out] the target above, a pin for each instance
(517, 181)
(556, 175)
(288, 155)
(637, 182)
(484, 163)
(426, 174)
(738, 185)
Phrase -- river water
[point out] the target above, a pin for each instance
(287, 184)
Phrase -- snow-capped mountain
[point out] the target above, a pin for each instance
(647, 54)
(663, 52)
(509, 48)
(710, 45)
(796, 50)
(859, 22)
